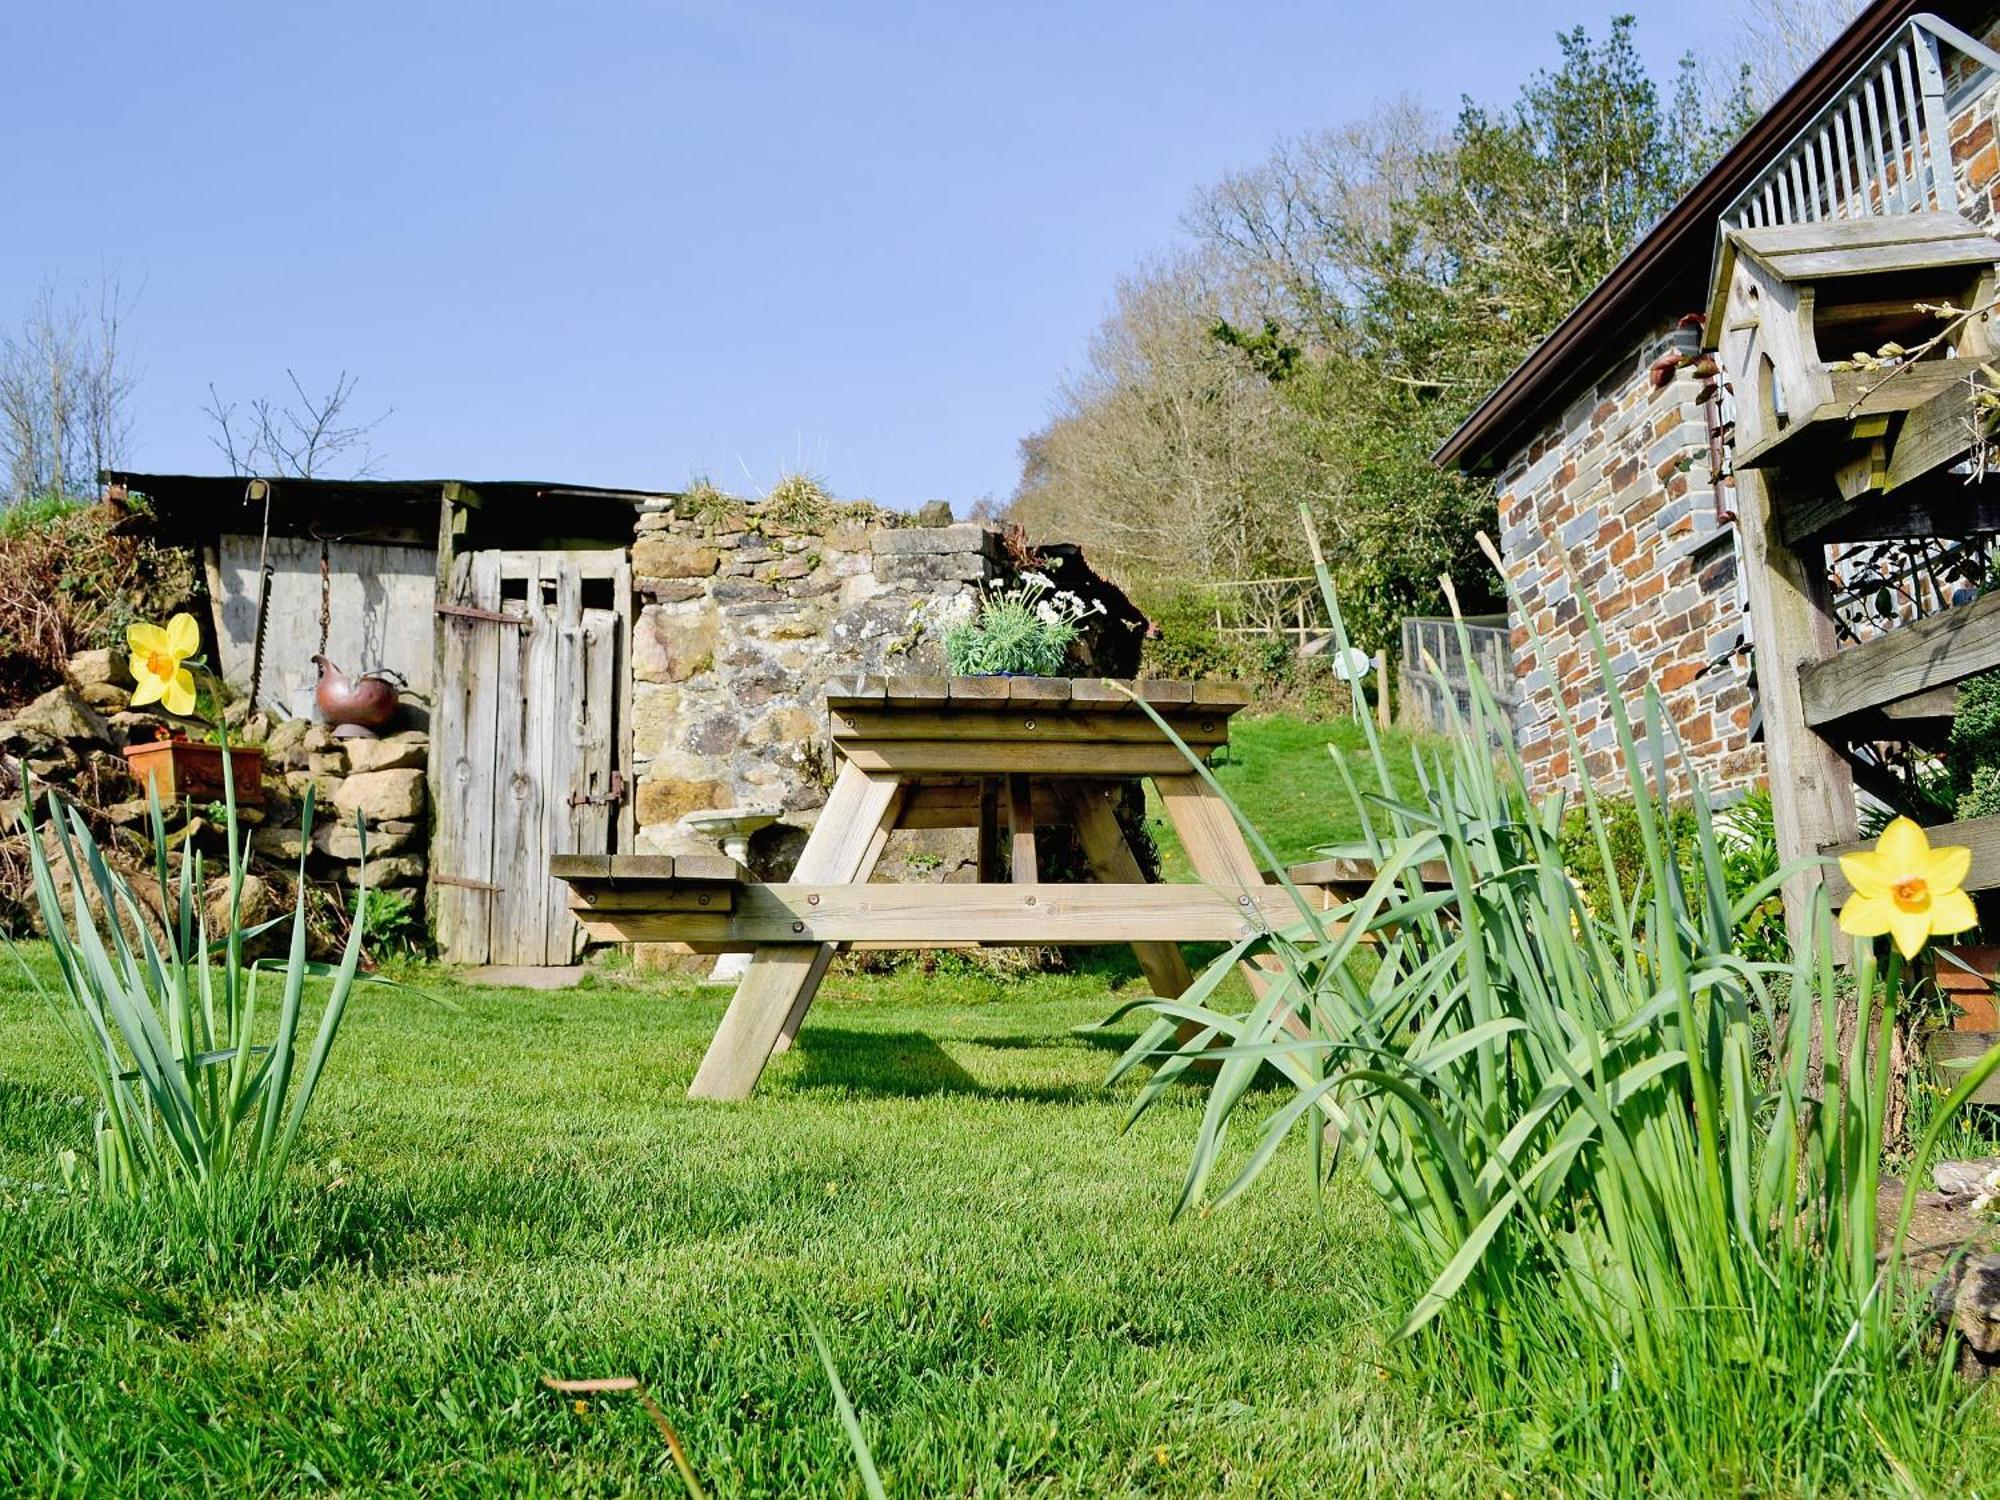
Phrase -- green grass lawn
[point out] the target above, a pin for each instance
(934, 1175)
(517, 1187)
(1280, 771)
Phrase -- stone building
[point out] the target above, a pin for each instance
(1598, 445)
(582, 667)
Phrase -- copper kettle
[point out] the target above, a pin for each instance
(367, 702)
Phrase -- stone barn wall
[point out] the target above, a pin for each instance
(1599, 508)
(741, 621)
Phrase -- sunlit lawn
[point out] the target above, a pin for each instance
(1280, 770)
(934, 1175)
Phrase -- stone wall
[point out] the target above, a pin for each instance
(1598, 503)
(1599, 507)
(377, 782)
(742, 619)
(70, 738)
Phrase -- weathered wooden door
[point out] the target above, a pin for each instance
(534, 747)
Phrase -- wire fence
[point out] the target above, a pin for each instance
(1439, 668)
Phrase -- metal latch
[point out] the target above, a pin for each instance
(494, 616)
(464, 883)
(610, 797)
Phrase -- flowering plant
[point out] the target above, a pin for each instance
(1026, 630)
(1908, 890)
(197, 1083)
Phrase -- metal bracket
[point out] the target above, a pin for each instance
(465, 883)
(492, 616)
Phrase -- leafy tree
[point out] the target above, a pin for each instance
(1377, 280)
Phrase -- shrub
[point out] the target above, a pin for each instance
(1026, 631)
(69, 582)
(1186, 642)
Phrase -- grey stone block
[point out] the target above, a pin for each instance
(907, 541)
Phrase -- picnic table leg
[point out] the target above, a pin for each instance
(827, 950)
(1215, 847)
(785, 976)
(989, 830)
(1113, 863)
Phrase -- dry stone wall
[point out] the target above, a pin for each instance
(742, 619)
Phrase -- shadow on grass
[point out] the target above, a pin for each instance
(908, 1065)
(1114, 1042)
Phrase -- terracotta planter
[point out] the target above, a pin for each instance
(1971, 994)
(182, 772)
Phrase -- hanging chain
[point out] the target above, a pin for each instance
(325, 595)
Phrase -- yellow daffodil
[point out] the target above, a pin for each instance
(1907, 889)
(156, 663)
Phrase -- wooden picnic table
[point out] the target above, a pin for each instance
(1001, 755)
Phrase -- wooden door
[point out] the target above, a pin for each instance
(534, 749)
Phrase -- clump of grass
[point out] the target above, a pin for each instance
(799, 502)
(707, 502)
(1615, 1202)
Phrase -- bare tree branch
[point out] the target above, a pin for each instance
(301, 437)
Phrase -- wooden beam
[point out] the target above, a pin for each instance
(1856, 394)
(1029, 725)
(1935, 433)
(1930, 653)
(987, 818)
(612, 868)
(1940, 505)
(1001, 757)
(958, 804)
(1980, 835)
(1359, 873)
(1021, 831)
(783, 978)
(1791, 617)
(1112, 862)
(1004, 915)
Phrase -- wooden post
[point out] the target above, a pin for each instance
(989, 829)
(1113, 863)
(1792, 624)
(1382, 688)
(1021, 829)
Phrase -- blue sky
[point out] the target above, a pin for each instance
(631, 243)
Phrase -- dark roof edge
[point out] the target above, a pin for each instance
(1630, 292)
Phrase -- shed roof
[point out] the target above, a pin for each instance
(185, 506)
(182, 489)
(1667, 271)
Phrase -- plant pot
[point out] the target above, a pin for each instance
(1971, 993)
(184, 772)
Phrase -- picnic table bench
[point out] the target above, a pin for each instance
(1001, 755)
